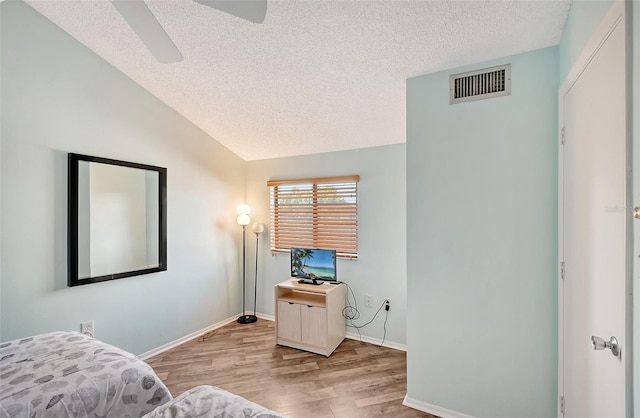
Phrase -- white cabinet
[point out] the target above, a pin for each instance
(288, 321)
(313, 321)
(309, 317)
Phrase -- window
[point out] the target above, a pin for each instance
(315, 213)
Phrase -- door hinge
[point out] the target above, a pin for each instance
(562, 404)
(562, 270)
(562, 136)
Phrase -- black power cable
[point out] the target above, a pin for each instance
(351, 313)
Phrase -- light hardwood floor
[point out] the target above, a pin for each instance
(357, 380)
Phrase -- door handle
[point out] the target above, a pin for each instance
(599, 344)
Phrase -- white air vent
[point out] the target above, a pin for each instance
(480, 84)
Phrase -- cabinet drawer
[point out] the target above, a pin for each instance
(288, 321)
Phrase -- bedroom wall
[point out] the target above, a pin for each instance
(380, 270)
(482, 244)
(59, 97)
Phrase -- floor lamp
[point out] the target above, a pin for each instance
(243, 221)
(257, 229)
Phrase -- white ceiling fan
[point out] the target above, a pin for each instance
(151, 33)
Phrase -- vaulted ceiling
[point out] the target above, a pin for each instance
(316, 75)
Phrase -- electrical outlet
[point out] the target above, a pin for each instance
(368, 301)
(87, 328)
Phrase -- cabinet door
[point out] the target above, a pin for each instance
(288, 321)
(314, 325)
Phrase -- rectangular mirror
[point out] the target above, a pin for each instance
(117, 219)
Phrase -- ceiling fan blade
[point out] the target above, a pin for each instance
(148, 29)
(252, 10)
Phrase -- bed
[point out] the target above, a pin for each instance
(211, 402)
(68, 374)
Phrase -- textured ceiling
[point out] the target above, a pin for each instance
(316, 76)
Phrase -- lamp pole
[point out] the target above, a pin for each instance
(257, 229)
(243, 220)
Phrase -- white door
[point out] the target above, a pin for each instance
(594, 224)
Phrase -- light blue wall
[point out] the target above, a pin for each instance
(59, 97)
(583, 19)
(482, 243)
(380, 270)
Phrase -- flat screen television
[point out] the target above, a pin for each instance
(313, 263)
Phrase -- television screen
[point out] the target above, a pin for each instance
(313, 263)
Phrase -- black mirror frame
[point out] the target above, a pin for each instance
(72, 237)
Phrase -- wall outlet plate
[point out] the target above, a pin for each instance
(368, 301)
(87, 328)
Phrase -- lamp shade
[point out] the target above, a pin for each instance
(243, 219)
(257, 228)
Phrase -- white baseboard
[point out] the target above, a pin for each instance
(196, 334)
(266, 317)
(376, 341)
(182, 340)
(433, 409)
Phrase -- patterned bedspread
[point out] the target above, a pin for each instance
(68, 374)
(211, 402)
